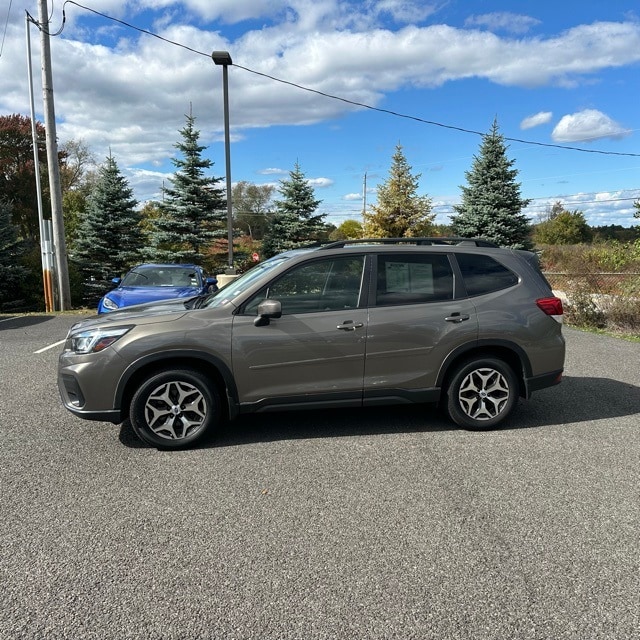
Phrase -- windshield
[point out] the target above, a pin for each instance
(241, 284)
(161, 276)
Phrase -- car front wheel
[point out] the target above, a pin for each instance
(174, 408)
(481, 393)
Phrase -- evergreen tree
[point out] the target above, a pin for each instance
(491, 202)
(294, 223)
(109, 238)
(636, 213)
(400, 211)
(193, 212)
(12, 274)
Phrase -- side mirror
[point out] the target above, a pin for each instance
(116, 281)
(268, 309)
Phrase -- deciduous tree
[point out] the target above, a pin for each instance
(348, 230)
(17, 173)
(564, 227)
(252, 207)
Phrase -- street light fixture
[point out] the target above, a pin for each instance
(223, 58)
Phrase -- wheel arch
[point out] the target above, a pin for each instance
(505, 350)
(214, 368)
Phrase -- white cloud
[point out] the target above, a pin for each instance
(147, 185)
(586, 126)
(273, 172)
(542, 117)
(352, 196)
(320, 183)
(600, 208)
(503, 21)
(405, 11)
(133, 97)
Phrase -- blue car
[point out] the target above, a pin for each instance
(151, 282)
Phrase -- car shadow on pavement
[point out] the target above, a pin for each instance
(577, 399)
(326, 423)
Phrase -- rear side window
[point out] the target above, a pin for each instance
(413, 279)
(482, 274)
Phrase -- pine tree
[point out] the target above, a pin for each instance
(110, 239)
(193, 212)
(400, 211)
(491, 202)
(294, 223)
(12, 274)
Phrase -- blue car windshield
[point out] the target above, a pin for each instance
(241, 284)
(161, 277)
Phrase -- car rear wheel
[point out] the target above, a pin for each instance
(481, 393)
(174, 408)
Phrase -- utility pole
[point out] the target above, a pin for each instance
(364, 195)
(62, 269)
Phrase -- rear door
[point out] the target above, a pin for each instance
(314, 353)
(415, 321)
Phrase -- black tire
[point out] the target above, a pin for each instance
(175, 408)
(481, 393)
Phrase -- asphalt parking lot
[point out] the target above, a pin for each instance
(385, 523)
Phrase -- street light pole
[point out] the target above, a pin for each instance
(223, 58)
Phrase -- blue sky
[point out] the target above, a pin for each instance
(564, 74)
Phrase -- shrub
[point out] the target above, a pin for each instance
(582, 311)
(624, 315)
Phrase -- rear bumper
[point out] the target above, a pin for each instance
(542, 382)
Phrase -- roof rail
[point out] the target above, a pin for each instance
(476, 242)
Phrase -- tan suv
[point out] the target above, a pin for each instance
(355, 323)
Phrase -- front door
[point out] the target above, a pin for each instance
(314, 353)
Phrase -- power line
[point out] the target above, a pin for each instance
(341, 99)
(6, 25)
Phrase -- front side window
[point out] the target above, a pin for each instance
(322, 285)
(482, 274)
(245, 281)
(413, 279)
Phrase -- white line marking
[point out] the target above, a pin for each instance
(51, 346)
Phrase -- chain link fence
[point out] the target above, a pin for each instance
(614, 284)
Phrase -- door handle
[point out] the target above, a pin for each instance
(457, 318)
(350, 325)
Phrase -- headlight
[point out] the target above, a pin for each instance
(108, 303)
(94, 340)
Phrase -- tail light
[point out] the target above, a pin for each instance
(552, 307)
